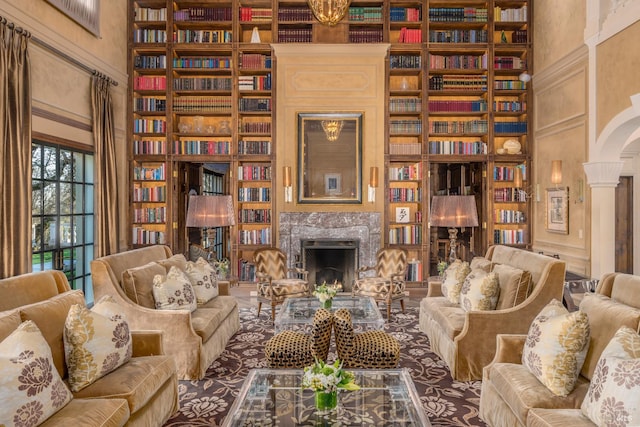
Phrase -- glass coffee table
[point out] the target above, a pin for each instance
(297, 313)
(271, 397)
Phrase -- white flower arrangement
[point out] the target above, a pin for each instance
(328, 378)
(324, 292)
(222, 267)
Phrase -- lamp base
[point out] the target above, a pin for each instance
(453, 236)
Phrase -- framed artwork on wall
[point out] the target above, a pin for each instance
(557, 217)
(84, 12)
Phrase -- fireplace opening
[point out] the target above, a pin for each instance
(330, 261)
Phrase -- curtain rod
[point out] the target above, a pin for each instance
(57, 51)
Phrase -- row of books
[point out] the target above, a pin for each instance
(254, 147)
(149, 146)
(149, 126)
(295, 35)
(203, 36)
(509, 63)
(203, 83)
(255, 127)
(509, 106)
(365, 14)
(199, 14)
(458, 14)
(365, 35)
(144, 173)
(256, 14)
(408, 14)
(509, 237)
(460, 62)
(150, 83)
(149, 104)
(410, 35)
(510, 15)
(215, 104)
(405, 194)
(507, 173)
(414, 271)
(254, 173)
(254, 61)
(150, 194)
(507, 216)
(457, 147)
(150, 61)
(458, 83)
(215, 63)
(398, 127)
(253, 194)
(405, 235)
(405, 105)
(254, 104)
(411, 62)
(142, 236)
(149, 35)
(458, 36)
(406, 173)
(519, 36)
(149, 14)
(255, 237)
(509, 194)
(201, 147)
(458, 106)
(254, 216)
(510, 127)
(301, 14)
(405, 149)
(246, 271)
(255, 82)
(509, 85)
(150, 215)
(458, 126)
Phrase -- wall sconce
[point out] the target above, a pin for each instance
(373, 183)
(580, 197)
(286, 182)
(518, 182)
(556, 172)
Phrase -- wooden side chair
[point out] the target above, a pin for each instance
(369, 349)
(388, 284)
(276, 281)
(293, 349)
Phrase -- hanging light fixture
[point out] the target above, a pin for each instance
(329, 12)
(332, 128)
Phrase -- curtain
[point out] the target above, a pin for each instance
(106, 182)
(15, 152)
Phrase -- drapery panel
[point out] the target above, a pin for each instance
(106, 180)
(15, 152)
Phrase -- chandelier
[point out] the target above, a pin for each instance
(332, 128)
(329, 12)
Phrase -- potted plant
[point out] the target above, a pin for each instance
(325, 294)
(325, 380)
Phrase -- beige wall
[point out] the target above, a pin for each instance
(61, 90)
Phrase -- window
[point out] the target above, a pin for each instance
(62, 213)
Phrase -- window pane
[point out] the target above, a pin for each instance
(66, 198)
(50, 233)
(88, 168)
(36, 161)
(36, 262)
(78, 167)
(65, 231)
(49, 162)
(50, 198)
(36, 198)
(88, 229)
(88, 206)
(78, 230)
(48, 261)
(36, 234)
(66, 165)
(78, 198)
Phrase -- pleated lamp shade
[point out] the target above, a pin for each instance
(210, 211)
(454, 211)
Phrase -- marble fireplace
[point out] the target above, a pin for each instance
(330, 244)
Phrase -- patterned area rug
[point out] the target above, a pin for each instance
(446, 402)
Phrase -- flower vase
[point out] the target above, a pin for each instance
(327, 304)
(326, 402)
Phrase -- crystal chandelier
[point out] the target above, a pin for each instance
(329, 12)
(332, 128)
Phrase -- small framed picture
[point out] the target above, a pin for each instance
(332, 184)
(402, 214)
(557, 218)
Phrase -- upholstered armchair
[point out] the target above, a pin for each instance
(294, 349)
(276, 281)
(388, 284)
(369, 349)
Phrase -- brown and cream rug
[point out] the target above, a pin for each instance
(446, 402)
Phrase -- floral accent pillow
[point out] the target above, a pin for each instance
(31, 389)
(96, 342)
(203, 279)
(174, 292)
(614, 392)
(480, 291)
(454, 277)
(556, 347)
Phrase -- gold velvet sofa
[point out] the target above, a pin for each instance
(466, 341)
(142, 392)
(511, 396)
(194, 339)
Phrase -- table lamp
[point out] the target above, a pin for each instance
(453, 212)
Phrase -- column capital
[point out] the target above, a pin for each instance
(603, 174)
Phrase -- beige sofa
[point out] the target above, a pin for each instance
(142, 392)
(466, 341)
(512, 396)
(194, 339)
